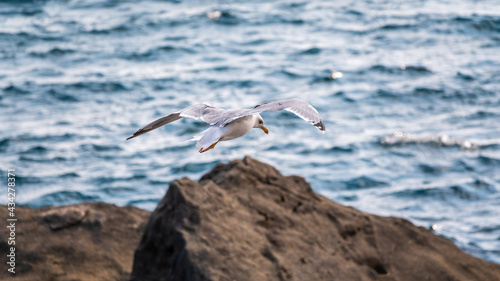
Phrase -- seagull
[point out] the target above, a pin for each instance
(233, 123)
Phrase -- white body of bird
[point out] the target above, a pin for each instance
(235, 129)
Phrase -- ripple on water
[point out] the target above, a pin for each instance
(63, 97)
(156, 53)
(310, 51)
(42, 159)
(481, 23)
(54, 52)
(69, 175)
(118, 191)
(110, 179)
(487, 160)
(426, 91)
(467, 192)
(465, 77)
(403, 69)
(433, 169)
(4, 144)
(36, 150)
(28, 137)
(46, 72)
(98, 86)
(61, 198)
(27, 180)
(15, 90)
(100, 147)
(193, 167)
(364, 182)
(350, 148)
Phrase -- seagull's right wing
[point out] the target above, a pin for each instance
(299, 107)
(202, 111)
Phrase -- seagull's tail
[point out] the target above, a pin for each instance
(208, 137)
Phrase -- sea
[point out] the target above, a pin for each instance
(409, 92)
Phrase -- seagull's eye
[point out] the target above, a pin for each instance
(261, 122)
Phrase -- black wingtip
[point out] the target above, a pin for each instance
(136, 134)
(320, 126)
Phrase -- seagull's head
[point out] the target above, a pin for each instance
(259, 123)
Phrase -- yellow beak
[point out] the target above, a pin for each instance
(265, 129)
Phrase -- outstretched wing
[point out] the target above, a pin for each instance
(299, 107)
(202, 111)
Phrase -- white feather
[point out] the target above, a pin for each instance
(209, 136)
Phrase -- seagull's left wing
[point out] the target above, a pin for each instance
(299, 107)
(201, 111)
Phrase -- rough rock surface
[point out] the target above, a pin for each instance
(92, 241)
(245, 221)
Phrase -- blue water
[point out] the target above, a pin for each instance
(409, 92)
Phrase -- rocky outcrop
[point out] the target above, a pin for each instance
(93, 241)
(245, 221)
(242, 221)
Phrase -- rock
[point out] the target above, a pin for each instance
(92, 241)
(245, 221)
(64, 217)
(242, 221)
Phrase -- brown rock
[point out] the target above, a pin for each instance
(245, 221)
(93, 241)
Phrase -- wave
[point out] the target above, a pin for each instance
(158, 51)
(351, 148)
(433, 169)
(28, 180)
(224, 17)
(46, 72)
(193, 167)
(54, 52)
(109, 180)
(413, 69)
(489, 160)
(424, 91)
(100, 147)
(310, 51)
(4, 144)
(118, 190)
(40, 159)
(465, 77)
(401, 138)
(255, 42)
(480, 22)
(394, 26)
(441, 194)
(62, 198)
(62, 96)
(36, 150)
(112, 30)
(11, 89)
(45, 138)
(99, 86)
(475, 190)
(364, 182)
(69, 175)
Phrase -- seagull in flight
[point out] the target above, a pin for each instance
(228, 124)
